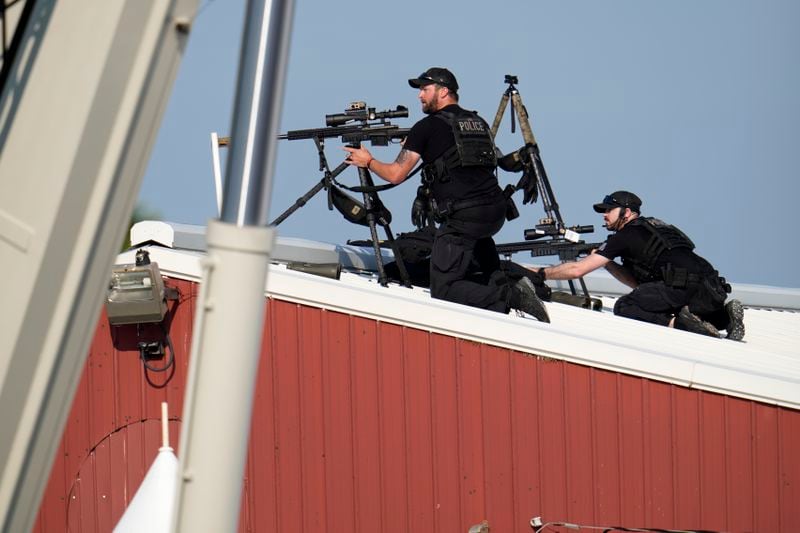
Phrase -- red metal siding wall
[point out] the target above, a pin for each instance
(364, 426)
(113, 431)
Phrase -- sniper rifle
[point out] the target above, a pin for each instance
(564, 242)
(357, 124)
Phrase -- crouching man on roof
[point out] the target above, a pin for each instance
(672, 285)
(458, 154)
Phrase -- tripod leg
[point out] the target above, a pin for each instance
(366, 181)
(584, 289)
(324, 183)
(501, 109)
(524, 123)
(300, 202)
(587, 297)
(401, 265)
(545, 190)
(571, 284)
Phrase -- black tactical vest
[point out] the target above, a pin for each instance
(663, 237)
(473, 147)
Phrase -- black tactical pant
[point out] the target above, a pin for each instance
(465, 267)
(658, 303)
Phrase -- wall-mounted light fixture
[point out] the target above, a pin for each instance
(136, 293)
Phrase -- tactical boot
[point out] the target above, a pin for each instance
(523, 298)
(688, 321)
(735, 327)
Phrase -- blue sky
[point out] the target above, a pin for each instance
(693, 105)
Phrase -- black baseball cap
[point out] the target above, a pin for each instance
(438, 75)
(619, 199)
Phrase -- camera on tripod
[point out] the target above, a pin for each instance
(359, 111)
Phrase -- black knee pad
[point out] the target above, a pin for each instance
(623, 305)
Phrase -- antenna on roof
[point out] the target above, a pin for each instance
(216, 142)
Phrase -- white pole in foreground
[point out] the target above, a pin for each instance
(229, 315)
(152, 505)
(164, 426)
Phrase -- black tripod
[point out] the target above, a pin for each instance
(372, 210)
(553, 224)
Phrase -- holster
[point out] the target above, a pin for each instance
(511, 208)
(441, 210)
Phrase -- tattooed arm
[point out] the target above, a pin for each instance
(394, 172)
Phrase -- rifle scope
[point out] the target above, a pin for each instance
(545, 230)
(359, 111)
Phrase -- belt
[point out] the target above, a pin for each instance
(449, 206)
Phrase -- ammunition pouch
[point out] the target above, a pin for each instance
(709, 290)
(680, 278)
(350, 208)
(354, 211)
(441, 210)
(435, 172)
(710, 294)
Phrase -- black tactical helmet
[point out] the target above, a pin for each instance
(619, 199)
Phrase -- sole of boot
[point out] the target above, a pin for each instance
(533, 305)
(736, 320)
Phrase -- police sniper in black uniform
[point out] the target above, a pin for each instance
(460, 191)
(672, 285)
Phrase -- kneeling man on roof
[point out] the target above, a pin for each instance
(672, 285)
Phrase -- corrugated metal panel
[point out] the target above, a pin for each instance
(112, 434)
(766, 367)
(365, 426)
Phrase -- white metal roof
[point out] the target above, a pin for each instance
(765, 367)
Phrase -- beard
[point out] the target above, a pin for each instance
(431, 106)
(616, 225)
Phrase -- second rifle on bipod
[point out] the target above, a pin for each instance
(358, 124)
(559, 240)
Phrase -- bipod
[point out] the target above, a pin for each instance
(325, 183)
(553, 219)
(372, 205)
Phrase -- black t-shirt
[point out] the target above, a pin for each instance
(629, 244)
(430, 138)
